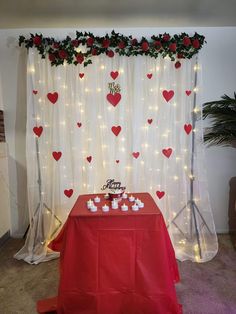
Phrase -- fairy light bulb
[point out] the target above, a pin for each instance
(102, 67)
(98, 90)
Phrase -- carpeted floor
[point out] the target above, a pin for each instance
(208, 288)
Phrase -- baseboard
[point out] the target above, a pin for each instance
(4, 238)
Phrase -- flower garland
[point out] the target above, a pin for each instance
(68, 50)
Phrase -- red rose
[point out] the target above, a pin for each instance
(94, 52)
(166, 37)
(196, 43)
(186, 41)
(79, 58)
(75, 43)
(51, 57)
(37, 40)
(177, 65)
(180, 56)
(134, 42)
(90, 41)
(55, 45)
(145, 46)
(157, 44)
(106, 43)
(63, 54)
(121, 45)
(110, 53)
(173, 47)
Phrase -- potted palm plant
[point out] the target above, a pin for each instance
(222, 114)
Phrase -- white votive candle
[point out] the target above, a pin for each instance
(97, 199)
(124, 208)
(90, 204)
(93, 208)
(140, 205)
(114, 205)
(131, 198)
(106, 196)
(105, 208)
(124, 195)
(135, 207)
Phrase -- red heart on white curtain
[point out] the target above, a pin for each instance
(136, 154)
(79, 124)
(38, 130)
(149, 75)
(68, 193)
(160, 194)
(149, 121)
(35, 92)
(114, 98)
(81, 75)
(188, 128)
(53, 97)
(188, 92)
(167, 152)
(168, 94)
(114, 74)
(56, 155)
(117, 161)
(116, 130)
(89, 158)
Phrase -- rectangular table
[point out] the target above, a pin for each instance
(116, 262)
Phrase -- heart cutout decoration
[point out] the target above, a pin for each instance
(35, 92)
(116, 130)
(68, 193)
(38, 130)
(167, 152)
(149, 76)
(168, 94)
(149, 121)
(81, 75)
(53, 97)
(188, 92)
(56, 155)
(188, 128)
(136, 154)
(89, 159)
(114, 98)
(114, 74)
(160, 194)
(79, 124)
(117, 161)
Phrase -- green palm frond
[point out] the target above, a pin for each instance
(222, 114)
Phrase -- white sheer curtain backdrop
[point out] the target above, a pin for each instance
(76, 140)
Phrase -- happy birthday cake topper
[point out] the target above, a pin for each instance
(113, 185)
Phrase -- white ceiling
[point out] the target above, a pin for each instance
(118, 13)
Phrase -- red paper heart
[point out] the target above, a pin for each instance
(114, 74)
(114, 99)
(167, 152)
(38, 130)
(68, 193)
(149, 75)
(160, 194)
(79, 124)
(56, 155)
(116, 130)
(149, 121)
(177, 65)
(81, 75)
(188, 92)
(35, 92)
(188, 128)
(52, 97)
(168, 94)
(89, 158)
(117, 161)
(135, 155)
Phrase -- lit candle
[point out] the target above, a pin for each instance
(105, 208)
(93, 208)
(114, 205)
(135, 207)
(106, 196)
(124, 195)
(140, 204)
(97, 199)
(89, 203)
(124, 207)
(131, 198)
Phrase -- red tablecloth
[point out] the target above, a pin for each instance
(116, 262)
